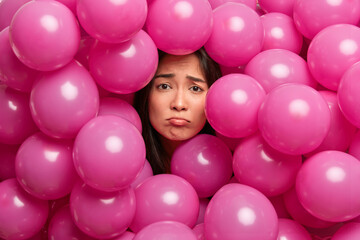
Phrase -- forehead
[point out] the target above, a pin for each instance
(175, 63)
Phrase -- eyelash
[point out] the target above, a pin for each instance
(160, 86)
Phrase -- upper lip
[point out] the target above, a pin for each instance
(178, 118)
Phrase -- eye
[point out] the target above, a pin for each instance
(196, 89)
(163, 86)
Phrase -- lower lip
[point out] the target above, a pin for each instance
(178, 122)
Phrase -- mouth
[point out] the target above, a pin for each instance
(178, 121)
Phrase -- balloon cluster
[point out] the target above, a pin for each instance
(284, 163)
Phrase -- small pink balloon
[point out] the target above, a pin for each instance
(274, 67)
(290, 229)
(332, 51)
(180, 26)
(238, 211)
(145, 173)
(7, 161)
(16, 123)
(279, 205)
(83, 53)
(165, 197)
(7, 10)
(22, 215)
(203, 203)
(237, 35)
(125, 236)
(199, 231)
(102, 214)
(62, 101)
(349, 231)
(330, 175)
(354, 148)
(216, 3)
(232, 105)
(113, 65)
(54, 37)
(294, 119)
(312, 16)
(205, 162)
(280, 6)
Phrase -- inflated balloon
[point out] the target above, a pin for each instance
(22, 215)
(112, 21)
(71, 4)
(281, 6)
(7, 161)
(102, 214)
(144, 174)
(237, 35)
(114, 65)
(7, 10)
(44, 167)
(232, 105)
(275, 67)
(180, 26)
(109, 153)
(227, 70)
(250, 3)
(312, 16)
(205, 162)
(238, 211)
(294, 119)
(83, 53)
(165, 197)
(203, 203)
(16, 123)
(330, 175)
(349, 231)
(199, 231)
(263, 163)
(332, 51)
(54, 37)
(230, 142)
(354, 148)
(290, 229)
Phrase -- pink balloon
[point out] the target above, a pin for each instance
(349, 231)
(165, 197)
(294, 119)
(274, 67)
(125, 236)
(290, 229)
(280, 6)
(16, 123)
(54, 37)
(263, 163)
(281, 32)
(216, 3)
(165, 230)
(62, 101)
(332, 51)
(240, 212)
(279, 205)
(83, 53)
(230, 142)
(312, 16)
(330, 175)
(324, 233)
(354, 148)
(7, 10)
(109, 152)
(232, 105)
(114, 65)
(205, 162)
(203, 203)
(7, 161)
(199, 231)
(44, 167)
(71, 4)
(228, 70)
(22, 215)
(145, 173)
(180, 26)
(102, 214)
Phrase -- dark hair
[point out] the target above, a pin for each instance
(155, 152)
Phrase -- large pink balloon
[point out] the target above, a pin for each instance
(7, 10)
(44, 35)
(102, 214)
(114, 65)
(349, 231)
(232, 105)
(109, 153)
(165, 197)
(180, 26)
(240, 212)
(22, 215)
(326, 186)
(294, 119)
(205, 162)
(16, 123)
(7, 161)
(216, 3)
(237, 35)
(275, 67)
(332, 51)
(62, 101)
(312, 16)
(292, 230)
(112, 21)
(280, 6)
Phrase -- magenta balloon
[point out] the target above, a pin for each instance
(232, 105)
(83, 53)
(332, 51)
(22, 215)
(165, 197)
(280, 6)
(145, 173)
(279, 205)
(312, 16)
(238, 211)
(264, 163)
(281, 32)
(292, 230)
(62, 101)
(275, 67)
(121, 108)
(114, 65)
(216, 3)
(7, 161)
(7, 10)
(16, 123)
(203, 203)
(205, 162)
(227, 70)
(125, 236)
(54, 37)
(294, 119)
(349, 231)
(330, 175)
(237, 35)
(199, 231)
(180, 26)
(354, 148)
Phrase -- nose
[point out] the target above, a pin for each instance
(179, 102)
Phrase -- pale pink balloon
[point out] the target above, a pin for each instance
(7, 161)
(281, 6)
(279, 205)
(199, 231)
(349, 231)
(250, 3)
(290, 229)
(7, 10)
(354, 148)
(145, 173)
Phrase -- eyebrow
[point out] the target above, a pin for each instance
(171, 75)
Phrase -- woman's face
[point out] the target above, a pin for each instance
(177, 97)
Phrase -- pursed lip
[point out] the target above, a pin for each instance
(177, 121)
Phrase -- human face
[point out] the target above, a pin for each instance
(177, 98)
